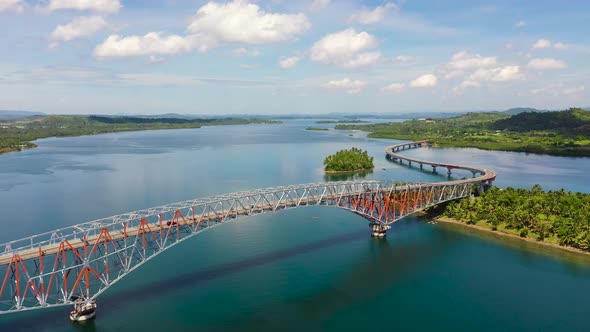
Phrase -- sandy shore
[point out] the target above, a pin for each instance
(499, 234)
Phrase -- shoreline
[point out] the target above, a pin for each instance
(504, 235)
(349, 172)
(32, 145)
(521, 149)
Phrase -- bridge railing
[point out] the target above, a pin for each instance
(86, 259)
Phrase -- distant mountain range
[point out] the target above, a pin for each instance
(8, 115)
(15, 115)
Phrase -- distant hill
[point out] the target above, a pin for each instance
(16, 115)
(518, 110)
(573, 120)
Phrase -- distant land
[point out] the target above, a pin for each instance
(518, 110)
(15, 115)
(12, 115)
(16, 135)
(564, 133)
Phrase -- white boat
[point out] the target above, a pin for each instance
(83, 311)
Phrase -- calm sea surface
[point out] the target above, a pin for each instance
(308, 269)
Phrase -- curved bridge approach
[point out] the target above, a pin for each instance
(82, 261)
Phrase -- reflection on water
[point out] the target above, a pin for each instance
(348, 176)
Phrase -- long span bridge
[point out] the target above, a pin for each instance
(82, 261)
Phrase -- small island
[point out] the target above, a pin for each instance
(316, 129)
(344, 161)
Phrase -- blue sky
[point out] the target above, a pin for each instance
(284, 56)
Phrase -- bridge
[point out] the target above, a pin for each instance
(83, 261)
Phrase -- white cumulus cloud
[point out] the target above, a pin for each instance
(469, 84)
(79, 27)
(546, 63)
(464, 60)
(149, 44)
(497, 74)
(103, 6)
(367, 16)
(346, 48)
(424, 81)
(351, 86)
(542, 43)
(12, 5)
(289, 62)
(242, 22)
(545, 43)
(394, 87)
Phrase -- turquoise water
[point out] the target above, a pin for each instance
(313, 269)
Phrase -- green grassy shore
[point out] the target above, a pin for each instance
(565, 133)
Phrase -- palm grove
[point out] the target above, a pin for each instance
(554, 216)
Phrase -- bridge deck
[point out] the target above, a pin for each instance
(90, 257)
(485, 174)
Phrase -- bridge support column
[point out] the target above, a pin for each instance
(433, 169)
(421, 166)
(379, 230)
(449, 172)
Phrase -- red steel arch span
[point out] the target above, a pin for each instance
(82, 261)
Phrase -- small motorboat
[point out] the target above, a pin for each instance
(83, 310)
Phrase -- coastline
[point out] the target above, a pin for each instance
(504, 235)
(499, 147)
(29, 144)
(350, 172)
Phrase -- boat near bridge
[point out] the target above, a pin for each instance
(83, 310)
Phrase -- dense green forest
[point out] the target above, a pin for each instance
(17, 135)
(348, 161)
(559, 133)
(559, 217)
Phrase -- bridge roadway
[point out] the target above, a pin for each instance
(486, 176)
(162, 226)
(111, 248)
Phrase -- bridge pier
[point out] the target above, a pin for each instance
(379, 230)
(433, 169)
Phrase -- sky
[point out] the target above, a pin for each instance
(292, 57)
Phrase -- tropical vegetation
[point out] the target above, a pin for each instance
(558, 133)
(559, 217)
(348, 161)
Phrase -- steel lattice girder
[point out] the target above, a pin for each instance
(48, 269)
